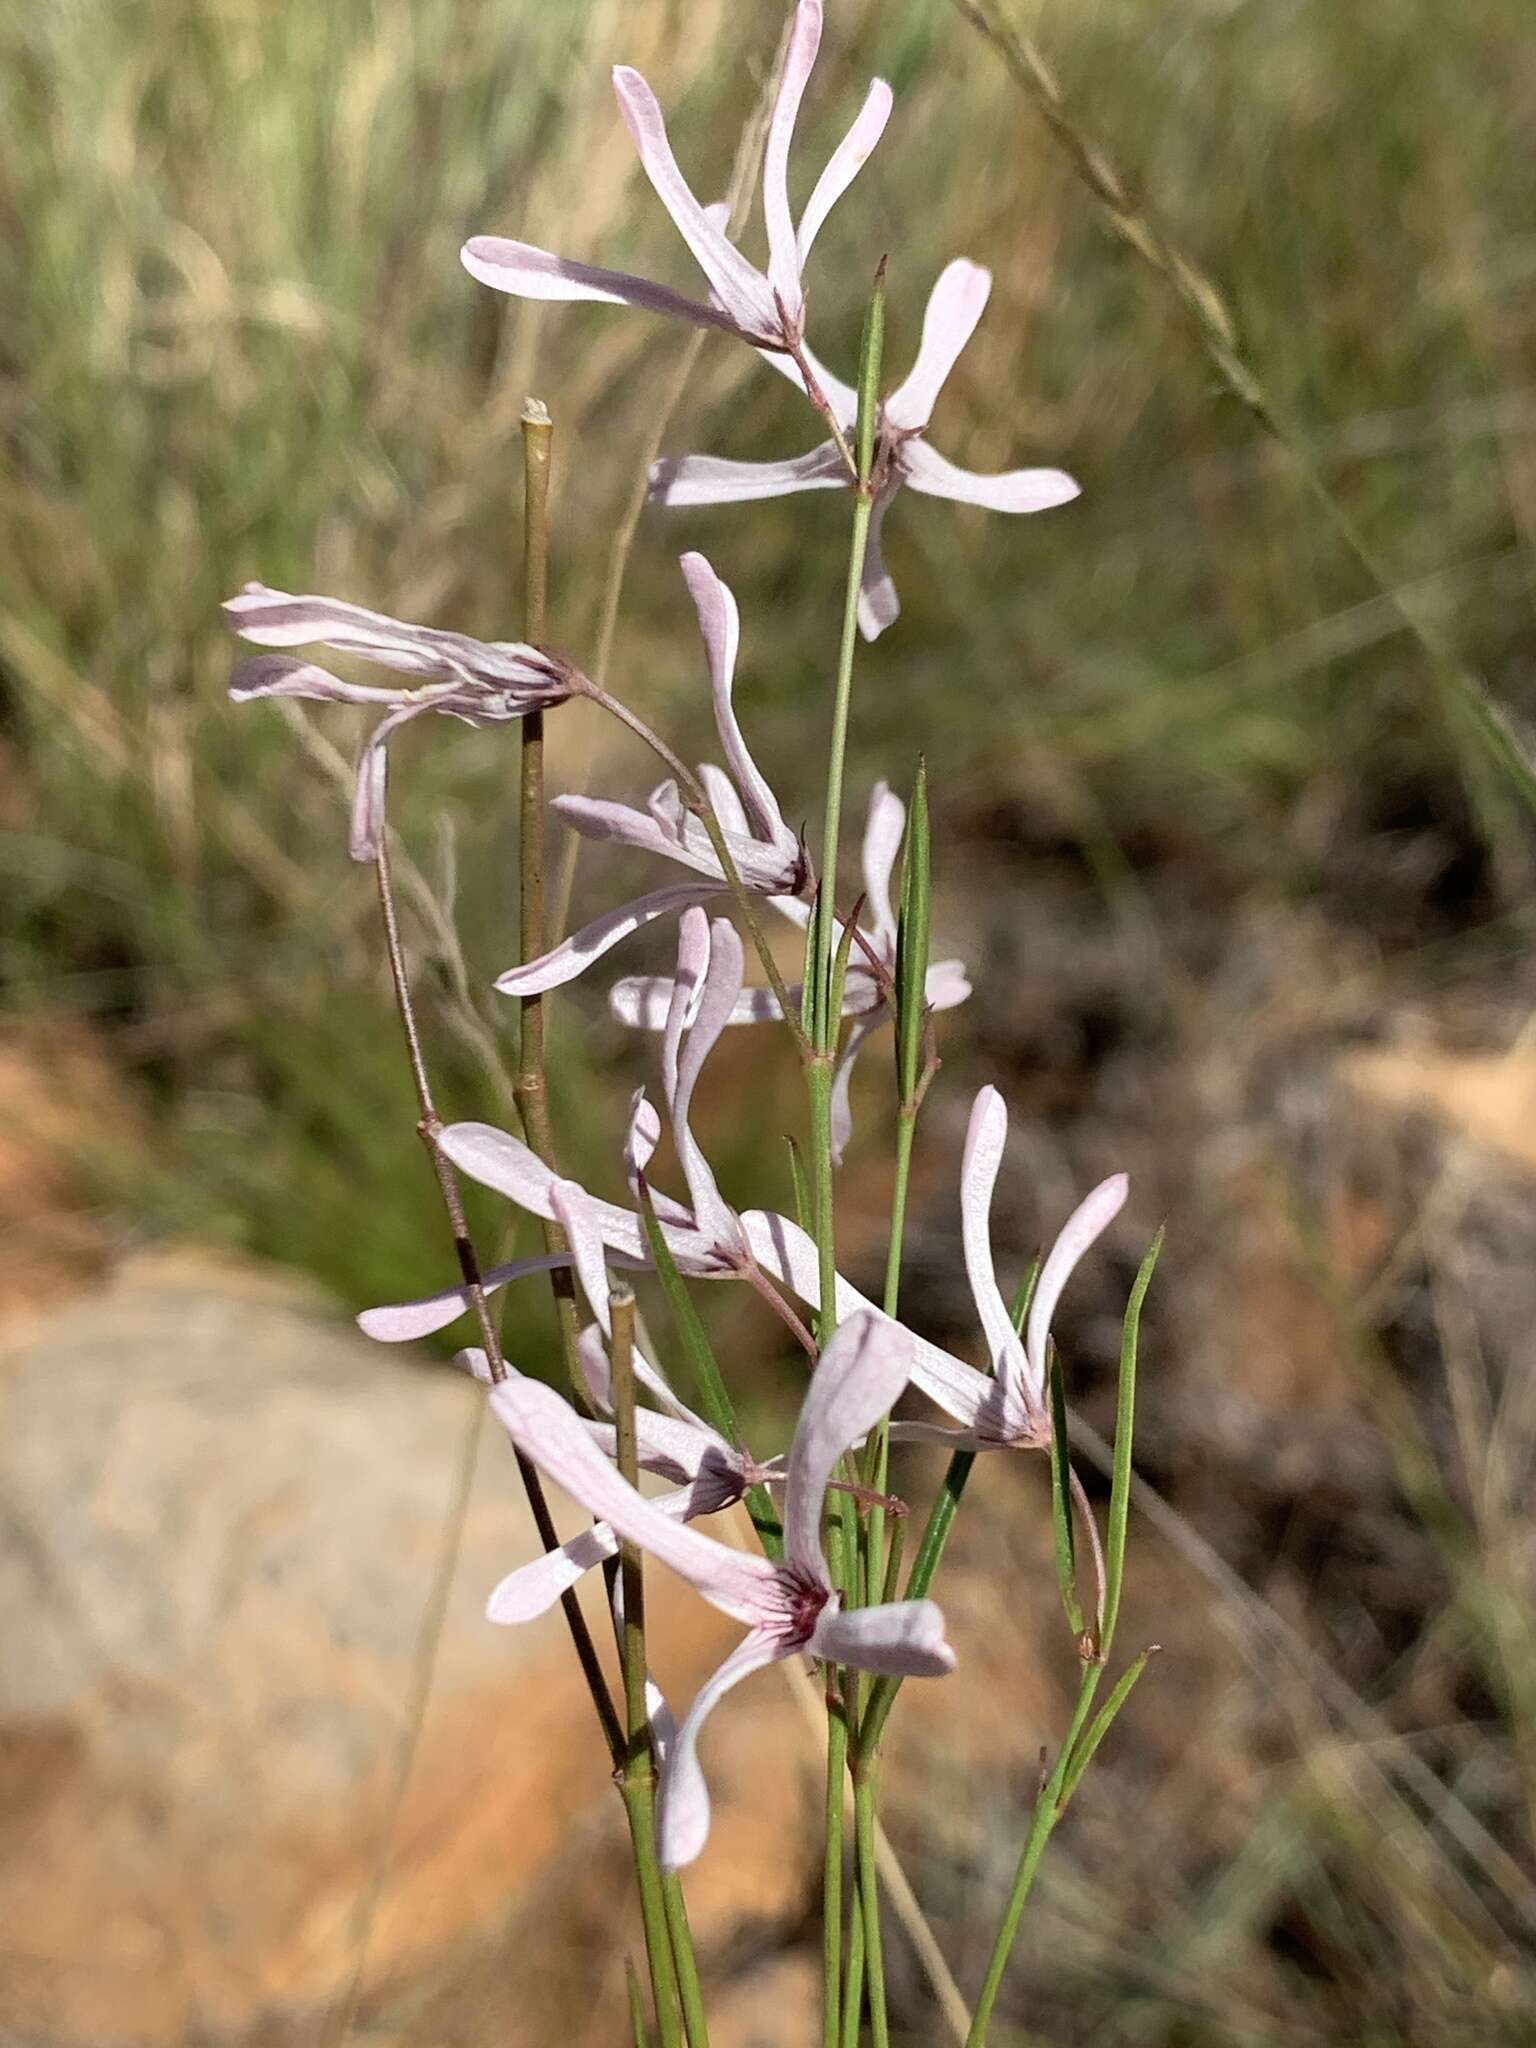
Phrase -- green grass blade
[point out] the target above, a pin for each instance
(1125, 1423)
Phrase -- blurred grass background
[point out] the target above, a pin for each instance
(235, 341)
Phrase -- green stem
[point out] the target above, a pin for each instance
(530, 1088)
(832, 1870)
(869, 1897)
(639, 1781)
(1048, 1810)
(684, 1960)
(853, 1992)
(941, 1518)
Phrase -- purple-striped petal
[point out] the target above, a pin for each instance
(279, 675)
(1014, 490)
(717, 998)
(720, 625)
(524, 272)
(980, 1164)
(859, 1377)
(405, 1321)
(641, 1001)
(955, 304)
(712, 480)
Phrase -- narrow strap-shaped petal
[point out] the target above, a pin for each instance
(641, 1001)
(573, 956)
(884, 823)
(858, 1378)
(279, 675)
(547, 1430)
(863, 1025)
(955, 304)
(879, 606)
(908, 1432)
(742, 291)
(273, 618)
(498, 1160)
(985, 1138)
(577, 1218)
(1088, 1221)
(641, 1137)
(786, 1252)
(845, 163)
(682, 1817)
(1014, 490)
(720, 625)
(525, 272)
(406, 1321)
(653, 830)
(783, 250)
(693, 947)
(534, 1588)
(904, 1638)
(713, 480)
(717, 999)
(368, 823)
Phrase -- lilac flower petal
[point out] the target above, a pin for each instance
(783, 252)
(743, 293)
(724, 800)
(904, 1637)
(712, 480)
(842, 1079)
(693, 949)
(940, 1433)
(406, 1321)
(641, 1001)
(720, 624)
(682, 1817)
(498, 1160)
(859, 1377)
(1013, 490)
(525, 272)
(573, 956)
(534, 1588)
(845, 163)
(955, 304)
(1088, 1222)
(279, 675)
(884, 824)
(550, 1432)
(985, 1138)
(947, 985)
(641, 1137)
(879, 606)
(722, 985)
(368, 824)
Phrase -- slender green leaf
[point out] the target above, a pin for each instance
(913, 927)
(840, 976)
(801, 1185)
(1083, 1755)
(1125, 1424)
(871, 349)
(1024, 1294)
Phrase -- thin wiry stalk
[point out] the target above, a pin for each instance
(430, 1127)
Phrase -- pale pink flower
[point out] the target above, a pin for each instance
(903, 455)
(481, 682)
(766, 309)
(790, 1608)
(643, 1001)
(768, 855)
(1008, 1408)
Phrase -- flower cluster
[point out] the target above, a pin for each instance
(727, 829)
